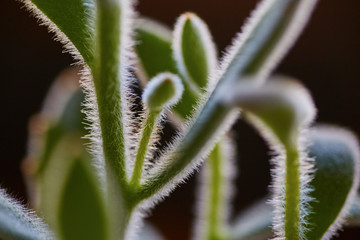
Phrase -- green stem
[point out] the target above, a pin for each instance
(292, 195)
(216, 189)
(260, 50)
(108, 85)
(142, 150)
(204, 129)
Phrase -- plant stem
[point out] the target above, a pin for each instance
(216, 190)
(108, 85)
(143, 146)
(204, 129)
(292, 195)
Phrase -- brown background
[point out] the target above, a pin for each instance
(326, 59)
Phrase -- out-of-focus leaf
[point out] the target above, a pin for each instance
(153, 48)
(18, 223)
(336, 180)
(61, 115)
(51, 183)
(70, 121)
(254, 223)
(81, 208)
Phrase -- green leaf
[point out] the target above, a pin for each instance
(194, 51)
(153, 48)
(18, 223)
(50, 184)
(81, 210)
(70, 121)
(74, 18)
(336, 179)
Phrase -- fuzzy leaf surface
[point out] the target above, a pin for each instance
(73, 18)
(18, 223)
(335, 182)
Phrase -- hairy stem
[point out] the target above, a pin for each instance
(108, 85)
(292, 195)
(143, 146)
(217, 194)
(195, 141)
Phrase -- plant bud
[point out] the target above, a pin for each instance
(163, 91)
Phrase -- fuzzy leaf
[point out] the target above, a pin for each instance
(73, 18)
(281, 104)
(336, 180)
(194, 51)
(18, 223)
(81, 209)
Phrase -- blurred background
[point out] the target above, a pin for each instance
(326, 59)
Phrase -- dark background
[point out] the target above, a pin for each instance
(326, 59)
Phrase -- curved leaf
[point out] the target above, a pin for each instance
(194, 51)
(16, 222)
(335, 182)
(74, 19)
(153, 48)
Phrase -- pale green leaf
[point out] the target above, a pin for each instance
(19, 223)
